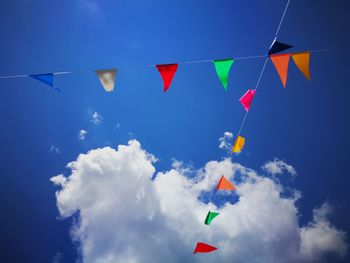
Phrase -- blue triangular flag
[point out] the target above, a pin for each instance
(278, 47)
(46, 78)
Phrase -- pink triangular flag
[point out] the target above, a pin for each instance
(247, 98)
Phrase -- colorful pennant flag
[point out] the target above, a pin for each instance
(222, 68)
(238, 145)
(107, 78)
(302, 60)
(167, 72)
(225, 184)
(247, 99)
(277, 47)
(210, 217)
(203, 248)
(281, 64)
(45, 78)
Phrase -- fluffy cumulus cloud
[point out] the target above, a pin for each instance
(122, 215)
(319, 236)
(277, 167)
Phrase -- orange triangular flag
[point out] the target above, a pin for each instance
(302, 60)
(280, 61)
(225, 184)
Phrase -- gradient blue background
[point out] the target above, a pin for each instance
(306, 124)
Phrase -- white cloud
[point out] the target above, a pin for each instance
(277, 167)
(96, 118)
(319, 236)
(225, 141)
(185, 169)
(58, 180)
(124, 216)
(54, 149)
(82, 135)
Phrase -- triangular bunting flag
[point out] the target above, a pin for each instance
(203, 248)
(247, 98)
(239, 143)
(225, 184)
(302, 60)
(46, 78)
(107, 78)
(281, 64)
(222, 68)
(167, 71)
(210, 217)
(277, 47)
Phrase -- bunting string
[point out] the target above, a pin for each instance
(282, 18)
(264, 66)
(28, 75)
(153, 65)
(211, 60)
(235, 58)
(280, 61)
(256, 88)
(239, 142)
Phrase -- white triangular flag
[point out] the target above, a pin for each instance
(107, 78)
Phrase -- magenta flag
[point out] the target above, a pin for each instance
(247, 99)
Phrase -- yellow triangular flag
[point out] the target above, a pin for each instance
(107, 78)
(302, 60)
(239, 143)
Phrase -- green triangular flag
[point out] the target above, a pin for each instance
(222, 68)
(210, 217)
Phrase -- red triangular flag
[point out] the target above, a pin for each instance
(203, 248)
(281, 62)
(225, 184)
(167, 71)
(247, 98)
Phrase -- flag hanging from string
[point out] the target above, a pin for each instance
(107, 78)
(247, 99)
(281, 62)
(238, 145)
(210, 217)
(277, 47)
(203, 248)
(46, 78)
(225, 184)
(222, 68)
(302, 60)
(167, 72)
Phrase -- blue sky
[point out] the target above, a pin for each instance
(305, 124)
